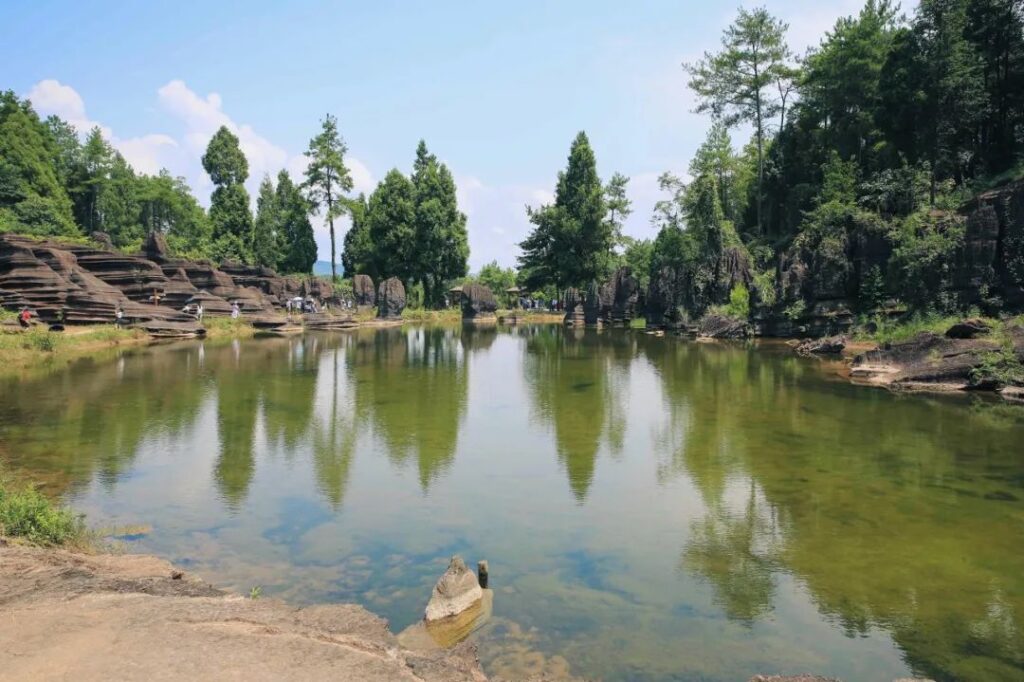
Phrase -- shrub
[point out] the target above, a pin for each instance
(26, 513)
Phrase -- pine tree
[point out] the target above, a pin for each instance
(572, 239)
(735, 85)
(229, 205)
(299, 243)
(266, 247)
(327, 177)
(357, 250)
(440, 229)
(391, 225)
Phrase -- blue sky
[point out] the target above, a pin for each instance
(498, 90)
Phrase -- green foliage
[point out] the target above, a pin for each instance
(442, 242)
(266, 238)
(391, 225)
(572, 239)
(26, 513)
(229, 205)
(999, 368)
(294, 229)
(357, 249)
(637, 255)
(923, 260)
(739, 303)
(327, 177)
(736, 84)
(497, 279)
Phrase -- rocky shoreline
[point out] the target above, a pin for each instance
(100, 617)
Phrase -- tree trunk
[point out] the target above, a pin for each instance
(334, 270)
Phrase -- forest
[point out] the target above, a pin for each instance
(861, 154)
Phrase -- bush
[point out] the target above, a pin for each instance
(26, 513)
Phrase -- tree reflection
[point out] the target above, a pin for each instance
(411, 386)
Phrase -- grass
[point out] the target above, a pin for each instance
(894, 331)
(227, 327)
(424, 315)
(27, 514)
(40, 348)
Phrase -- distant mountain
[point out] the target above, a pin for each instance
(323, 267)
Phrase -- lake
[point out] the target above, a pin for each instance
(651, 508)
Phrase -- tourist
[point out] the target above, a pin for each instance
(199, 312)
(119, 317)
(235, 312)
(25, 318)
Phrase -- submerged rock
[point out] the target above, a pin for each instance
(456, 591)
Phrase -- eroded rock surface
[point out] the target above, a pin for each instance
(363, 292)
(830, 345)
(478, 302)
(71, 616)
(391, 299)
(456, 591)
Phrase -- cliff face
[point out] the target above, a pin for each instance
(821, 285)
(89, 282)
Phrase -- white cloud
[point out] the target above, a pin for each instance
(53, 97)
(147, 154)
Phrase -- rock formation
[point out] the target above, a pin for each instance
(623, 294)
(830, 345)
(362, 291)
(573, 302)
(594, 304)
(391, 299)
(478, 302)
(714, 326)
(456, 591)
(968, 329)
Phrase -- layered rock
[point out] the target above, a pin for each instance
(478, 302)
(391, 299)
(595, 303)
(456, 591)
(829, 345)
(363, 292)
(713, 326)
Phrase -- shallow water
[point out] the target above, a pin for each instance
(651, 508)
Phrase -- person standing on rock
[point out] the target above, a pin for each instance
(25, 317)
(119, 317)
(235, 312)
(199, 312)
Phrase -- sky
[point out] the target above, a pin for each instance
(497, 90)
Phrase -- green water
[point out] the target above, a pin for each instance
(651, 508)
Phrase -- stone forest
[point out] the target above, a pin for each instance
(275, 408)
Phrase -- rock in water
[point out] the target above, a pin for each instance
(826, 346)
(456, 591)
(390, 299)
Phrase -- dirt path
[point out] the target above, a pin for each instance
(106, 617)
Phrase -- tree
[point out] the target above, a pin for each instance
(32, 196)
(715, 157)
(497, 279)
(166, 205)
(299, 243)
(391, 225)
(442, 243)
(735, 85)
(327, 177)
(618, 204)
(357, 249)
(572, 238)
(266, 249)
(229, 206)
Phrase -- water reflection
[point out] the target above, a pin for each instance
(805, 523)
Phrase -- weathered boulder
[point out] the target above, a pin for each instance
(573, 303)
(212, 305)
(714, 326)
(102, 239)
(478, 302)
(664, 304)
(179, 290)
(624, 293)
(155, 247)
(968, 329)
(824, 346)
(362, 291)
(390, 299)
(595, 302)
(456, 591)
